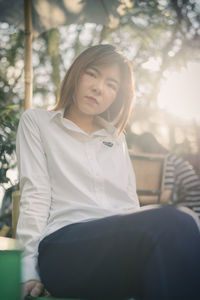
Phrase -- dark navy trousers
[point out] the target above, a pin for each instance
(153, 254)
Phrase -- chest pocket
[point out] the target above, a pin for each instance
(112, 162)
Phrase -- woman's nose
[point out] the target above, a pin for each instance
(98, 87)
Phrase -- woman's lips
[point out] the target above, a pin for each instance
(92, 100)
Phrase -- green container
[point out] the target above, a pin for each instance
(10, 269)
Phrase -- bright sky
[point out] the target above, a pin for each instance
(180, 92)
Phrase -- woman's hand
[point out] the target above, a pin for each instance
(33, 288)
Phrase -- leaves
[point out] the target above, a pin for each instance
(9, 117)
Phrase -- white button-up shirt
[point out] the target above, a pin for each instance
(68, 176)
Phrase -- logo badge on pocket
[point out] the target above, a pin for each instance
(109, 144)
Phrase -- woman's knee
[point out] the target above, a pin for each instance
(165, 218)
(189, 213)
(177, 218)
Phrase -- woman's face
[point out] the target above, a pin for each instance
(97, 89)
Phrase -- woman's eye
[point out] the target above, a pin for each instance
(90, 73)
(112, 86)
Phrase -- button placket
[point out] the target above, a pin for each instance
(96, 172)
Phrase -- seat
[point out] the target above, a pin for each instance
(5, 230)
(15, 211)
(149, 171)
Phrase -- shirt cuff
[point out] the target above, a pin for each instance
(30, 269)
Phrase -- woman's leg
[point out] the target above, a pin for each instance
(153, 254)
(172, 270)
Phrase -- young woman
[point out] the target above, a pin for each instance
(84, 233)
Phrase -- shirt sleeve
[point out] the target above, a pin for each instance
(35, 191)
(169, 180)
(188, 184)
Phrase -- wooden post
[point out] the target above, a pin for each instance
(28, 76)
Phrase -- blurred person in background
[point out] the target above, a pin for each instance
(180, 176)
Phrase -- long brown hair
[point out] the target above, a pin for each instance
(119, 112)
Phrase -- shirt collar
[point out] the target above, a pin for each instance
(107, 127)
(54, 113)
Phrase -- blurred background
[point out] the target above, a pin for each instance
(162, 40)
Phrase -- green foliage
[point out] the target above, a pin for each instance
(9, 118)
(11, 96)
(11, 101)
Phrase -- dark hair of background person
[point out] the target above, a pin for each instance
(147, 143)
